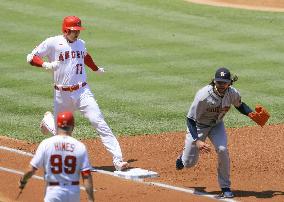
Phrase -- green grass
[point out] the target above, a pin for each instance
(157, 54)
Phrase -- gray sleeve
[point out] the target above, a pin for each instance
(197, 107)
(236, 97)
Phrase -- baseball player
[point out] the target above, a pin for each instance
(63, 159)
(205, 119)
(67, 57)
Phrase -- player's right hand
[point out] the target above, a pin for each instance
(29, 58)
(202, 146)
(22, 184)
(50, 65)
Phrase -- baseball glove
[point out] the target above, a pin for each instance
(260, 116)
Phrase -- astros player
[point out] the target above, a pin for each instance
(63, 158)
(205, 119)
(67, 57)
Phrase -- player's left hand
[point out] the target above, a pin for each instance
(100, 70)
(260, 116)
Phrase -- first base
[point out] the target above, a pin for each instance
(136, 173)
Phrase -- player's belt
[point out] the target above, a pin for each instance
(63, 183)
(70, 88)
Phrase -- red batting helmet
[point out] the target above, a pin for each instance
(71, 23)
(65, 120)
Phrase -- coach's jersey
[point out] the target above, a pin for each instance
(208, 108)
(62, 157)
(71, 70)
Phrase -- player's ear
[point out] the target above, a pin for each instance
(67, 32)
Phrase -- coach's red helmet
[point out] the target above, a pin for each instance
(71, 23)
(65, 120)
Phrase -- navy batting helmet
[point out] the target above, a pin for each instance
(223, 74)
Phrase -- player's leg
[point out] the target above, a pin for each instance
(62, 102)
(190, 154)
(55, 194)
(73, 194)
(90, 109)
(218, 138)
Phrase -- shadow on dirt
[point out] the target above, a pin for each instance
(261, 194)
(242, 193)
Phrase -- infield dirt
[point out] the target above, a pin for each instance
(257, 169)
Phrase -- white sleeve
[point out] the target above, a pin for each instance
(84, 44)
(42, 49)
(37, 160)
(85, 161)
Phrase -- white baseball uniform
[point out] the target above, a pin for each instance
(63, 159)
(71, 90)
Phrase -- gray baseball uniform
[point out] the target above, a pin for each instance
(208, 110)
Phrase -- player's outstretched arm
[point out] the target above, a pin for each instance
(244, 109)
(88, 60)
(88, 184)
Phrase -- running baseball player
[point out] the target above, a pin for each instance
(205, 119)
(67, 57)
(63, 159)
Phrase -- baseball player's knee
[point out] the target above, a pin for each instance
(96, 120)
(100, 125)
(222, 150)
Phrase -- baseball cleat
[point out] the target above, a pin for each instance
(179, 164)
(226, 193)
(121, 165)
(47, 125)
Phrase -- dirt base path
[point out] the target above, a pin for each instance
(257, 169)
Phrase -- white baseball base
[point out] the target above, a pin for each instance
(136, 173)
